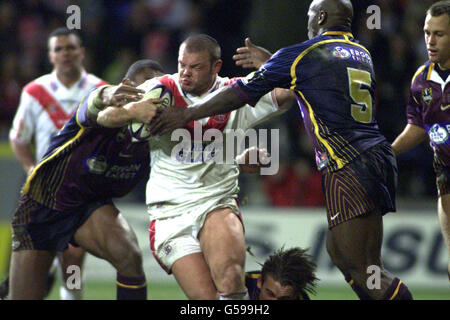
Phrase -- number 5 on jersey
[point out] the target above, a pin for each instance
(362, 106)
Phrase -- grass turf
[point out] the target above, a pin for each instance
(171, 291)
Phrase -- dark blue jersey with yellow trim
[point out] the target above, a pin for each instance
(86, 162)
(333, 78)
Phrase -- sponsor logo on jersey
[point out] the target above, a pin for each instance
(427, 95)
(341, 53)
(97, 165)
(438, 134)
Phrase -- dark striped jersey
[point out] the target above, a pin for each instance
(251, 280)
(429, 108)
(86, 162)
(333, 78)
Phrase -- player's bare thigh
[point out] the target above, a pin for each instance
(223, 245)
(106, 234)
(193, 276)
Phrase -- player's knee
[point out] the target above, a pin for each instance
(203, 294)
(127, 259)
(229, 278)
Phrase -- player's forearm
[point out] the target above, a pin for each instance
(285, 98)
(410, 137)
(225, 101)
(96, 98)
(113, 117)
(24, 155)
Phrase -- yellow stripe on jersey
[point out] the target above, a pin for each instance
(430, 68)
(417, 73)
(338, 33)
(306, 51)
(330, 150)
(55, 153)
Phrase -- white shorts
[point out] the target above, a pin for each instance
(175, 237)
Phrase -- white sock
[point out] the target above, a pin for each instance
(66, 294)
(242, 295)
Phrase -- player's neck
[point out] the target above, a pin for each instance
(68, 79)
(444, 66)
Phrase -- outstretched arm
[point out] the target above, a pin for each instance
(410, 137)
(177, 117)
(115, 117)
(115, 106)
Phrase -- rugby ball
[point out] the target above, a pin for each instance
(141, 131)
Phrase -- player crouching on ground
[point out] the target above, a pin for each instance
(285, 275)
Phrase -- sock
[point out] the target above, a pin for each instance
(242, 295)
(131, 288)
(362, 295)
(397, 291)
(66, 294)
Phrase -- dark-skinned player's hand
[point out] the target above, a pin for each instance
(169, 119)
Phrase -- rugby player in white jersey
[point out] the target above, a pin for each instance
(196, 229)
(46, 104)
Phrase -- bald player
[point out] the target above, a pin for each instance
(333, 79)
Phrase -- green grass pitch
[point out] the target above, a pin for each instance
(164, 291)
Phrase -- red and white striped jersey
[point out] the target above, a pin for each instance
(190, 176)
(45, 106)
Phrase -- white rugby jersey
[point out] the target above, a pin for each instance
(45, 106)
(189, 178)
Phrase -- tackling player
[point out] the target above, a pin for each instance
(427, 112)
(46, 104)
(333, 79)
(67, 197)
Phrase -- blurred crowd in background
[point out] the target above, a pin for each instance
(116, 33)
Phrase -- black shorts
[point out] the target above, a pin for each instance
(366, 184)
(36, 227)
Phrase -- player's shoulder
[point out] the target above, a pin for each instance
(421, 73)
(296, 49)
(95, 81)
(41, 81)
(168, 80)
(225, 81)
